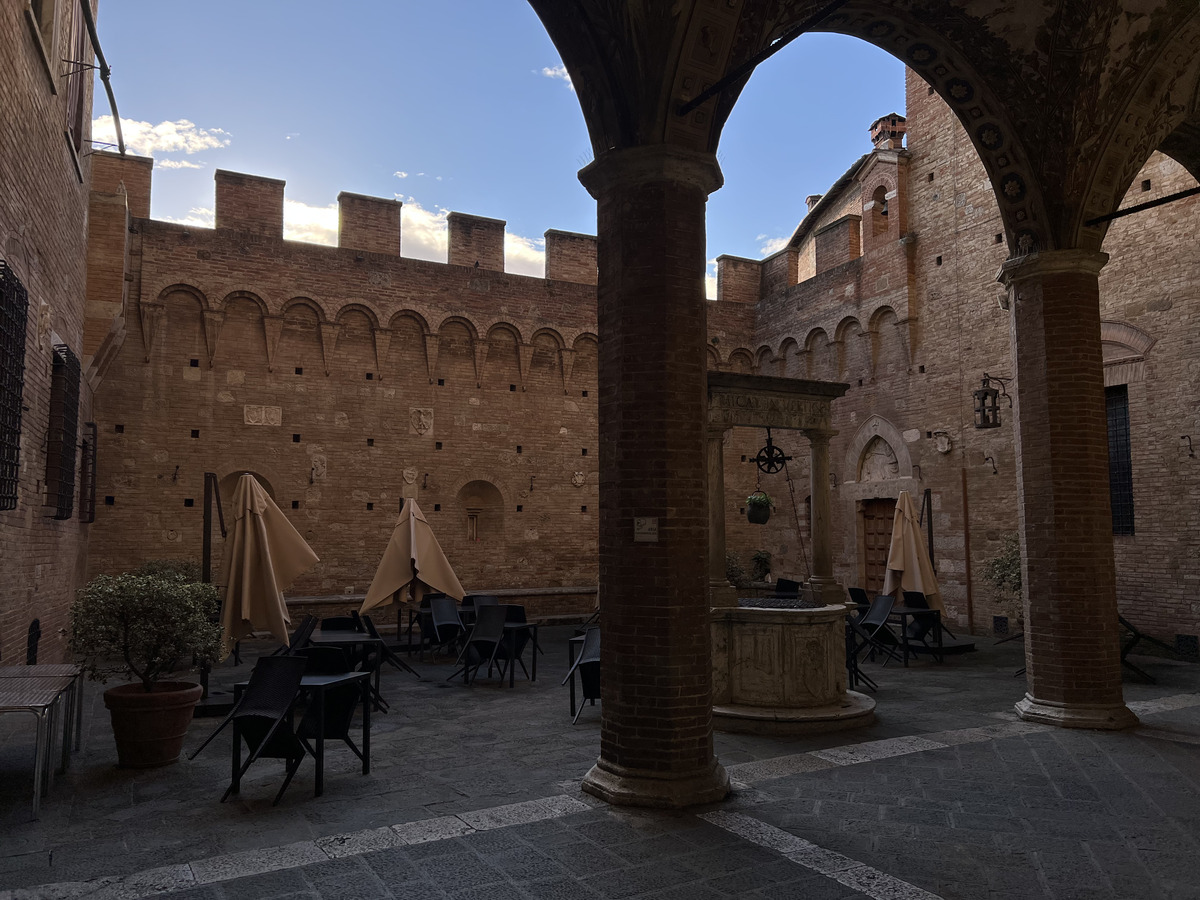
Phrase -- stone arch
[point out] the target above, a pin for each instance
(502, 367)
(584, 362)
(242, 343)
(183, 337)
(854, 359)
(462, 321)
(712, 358)
(545, 360)
(552, 334)
(877, 427)
(300, 343)
(244, 295)
(793, 364)
(483, 505)
(822, 356)
(766, 361)
(888, 354)
(407, 356)
(1125, 347)
(352, 356)
(456, 352)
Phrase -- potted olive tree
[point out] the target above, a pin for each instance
(144, 627)
(758, 508)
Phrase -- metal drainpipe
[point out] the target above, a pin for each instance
(105, 72)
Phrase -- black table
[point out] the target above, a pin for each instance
(354, 640)
(904, 613)
(315, 687)
(511, 630)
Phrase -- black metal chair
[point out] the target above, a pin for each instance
(299, 637)
(483, 643)
(388, 653)
(859, 597)
(587, 664)
(326, 660)
(872, 632)
(263, 718)
(478, 600)
(924, 627)
(340, 623)
(443, 628)
(515, 615)
(854, 673)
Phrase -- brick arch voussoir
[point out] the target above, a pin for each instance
(877, 315)
(307, 302)
(582, 336)
(355, 306)
(553, 334)
(740, 353)
(493, 478)
(814, 335)
(972, 70)
(713, 363)
(503, 326)
(198, 294)
(844, 327)
(409, 313)
(456, 319)
(253, 297)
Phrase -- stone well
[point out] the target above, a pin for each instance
(783, 672)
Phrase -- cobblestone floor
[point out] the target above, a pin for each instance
(474, 792)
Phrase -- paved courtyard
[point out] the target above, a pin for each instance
(474, 793)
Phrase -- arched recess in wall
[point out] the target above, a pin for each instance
(879, 211)
(712, 359)
(1125, 347)
(299, 339)
(241, 343)
(822, 356)
(877, 453)
(792, 363)
(353, 357)
(502, 370)
(182, 336)
(545, 362)
(456, 353)
(481, 506)
(741, 362)
(766, 362)
(227, 484)
(853, 355)
(584, 364)
(407, 360)
(890, 355)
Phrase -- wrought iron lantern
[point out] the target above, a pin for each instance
(987, 401)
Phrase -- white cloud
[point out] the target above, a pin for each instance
(524, 256)
(177, 164)
(423, 231)
(772, 245)
(314, 224)
(560, 73)
(710, 280)
(400, 174)
(146, 139)
(197, 217)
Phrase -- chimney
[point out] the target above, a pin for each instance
(888, 133)
(249, 203)
(570, 257)
(812, 200)
(369, 223)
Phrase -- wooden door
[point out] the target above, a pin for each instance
(876, 539)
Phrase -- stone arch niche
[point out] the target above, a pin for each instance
(1125, 347)
(481, 508)
(877, 453)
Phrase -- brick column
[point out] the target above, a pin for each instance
(720, 591)
(1073, 665)
(656, 745)
(821, 579)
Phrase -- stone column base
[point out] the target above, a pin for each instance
(853, 710)
(633, 787)
(1107, 717)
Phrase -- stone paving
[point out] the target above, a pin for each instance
(474, 792)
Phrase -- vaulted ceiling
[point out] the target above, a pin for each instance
(1063, 99)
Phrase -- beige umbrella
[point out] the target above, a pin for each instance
(413, 560)
(263, 556)
(908, 565)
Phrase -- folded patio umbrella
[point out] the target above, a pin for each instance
(908, 565)
(412, 561)
(263, 556)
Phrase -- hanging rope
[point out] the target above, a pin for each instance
(796, 517)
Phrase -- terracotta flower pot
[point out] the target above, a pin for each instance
(150, 727)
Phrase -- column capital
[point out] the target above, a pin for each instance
(652, 163)
(1050, 262)
(819, 435)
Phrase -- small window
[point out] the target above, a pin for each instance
(119, 429)
(110, 501)
(370, 376)
(938, 261)
(195, 432)
(189, 502)
(520, 508)
(518, 448)
(370, 442)
(295, 438)
(62, 436)
(583, 452)
(584, 393)
(583, 509)
(930, 178)
(437, 445)
(295, 504)
(14, 309)
(1120, 458)
(370, 506)
(512, 387)
(472, 526)
(437, 507)
(441, 382)
(999, 238)
(1146, 185)
(299, 370)
(194, 363)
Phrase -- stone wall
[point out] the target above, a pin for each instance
(44, 181)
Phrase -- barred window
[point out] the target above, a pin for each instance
(1120, 461)
(63, 434)
(14, 308)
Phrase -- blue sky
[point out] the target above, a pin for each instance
(451, 105)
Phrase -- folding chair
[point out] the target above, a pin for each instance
(340, 623)
(263, 718)
(299, 637)
(854, 672)
(918, 600)
(587, 664)
(873, 633)
(482, 644)
(923, 627)
(389, 655)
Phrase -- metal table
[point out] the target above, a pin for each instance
(57, 670)
(39, 695)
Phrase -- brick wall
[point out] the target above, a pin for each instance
(43, 230)
(249, 203)
(570, 257)
(475, 241)
(368, 223)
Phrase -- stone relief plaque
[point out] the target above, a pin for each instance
(420, 420)
(262, 415)
(761, 410)
(410, 475)
(878, 461)
(578, 479)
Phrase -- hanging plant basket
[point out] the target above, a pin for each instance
(758, 508)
